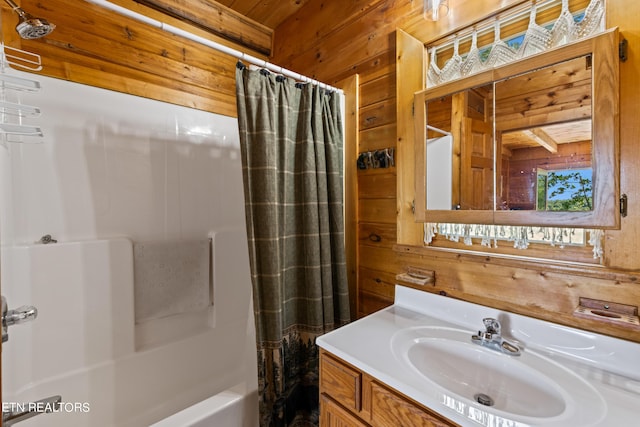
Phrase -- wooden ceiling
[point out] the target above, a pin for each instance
(249, 23)
(546, 107)
(548, 137)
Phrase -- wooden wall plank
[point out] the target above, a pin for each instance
(162, 91)
(373, 66)
(351, 88)
(378, 235)
(381, 259)
(380, 71)
(377, 185)
(143, 66)
(376, 282)
(379, 89)
(378, 114)
(372, 139)
(377, 289)
(377, 210)
(370, 303)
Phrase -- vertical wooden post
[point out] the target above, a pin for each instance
(410, 78)
(351, 86)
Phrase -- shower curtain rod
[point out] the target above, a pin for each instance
(209, 43)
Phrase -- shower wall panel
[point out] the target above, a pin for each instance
(112, 164)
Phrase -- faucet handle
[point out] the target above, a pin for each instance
(22, 314)
(492, 325)
(30, 410)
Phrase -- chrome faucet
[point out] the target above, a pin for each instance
(491, 338)
(28, 410)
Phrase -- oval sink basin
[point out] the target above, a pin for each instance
(468, 370)
(524, 388)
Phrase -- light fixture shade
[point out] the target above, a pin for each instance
(435, 9)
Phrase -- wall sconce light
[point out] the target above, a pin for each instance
(433, 10)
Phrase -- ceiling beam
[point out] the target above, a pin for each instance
(542, 138)
(219, 20)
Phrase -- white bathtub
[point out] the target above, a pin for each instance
(235, 407)
(85, 345)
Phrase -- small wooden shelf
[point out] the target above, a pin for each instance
(609, 312)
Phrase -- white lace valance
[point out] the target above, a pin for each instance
(519, 236)
(566, 28)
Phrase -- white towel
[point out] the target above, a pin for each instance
(171, 277)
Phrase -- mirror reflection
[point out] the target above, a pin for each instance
(543, 141)
(547, 168)
(544, 137)
(459, 153)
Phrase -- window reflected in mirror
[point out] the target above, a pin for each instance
(565, 190)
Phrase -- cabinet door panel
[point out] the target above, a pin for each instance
(332, 415)
(390, 410)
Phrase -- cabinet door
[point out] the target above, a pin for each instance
(477, 192)
(388, 409)
(332, 415)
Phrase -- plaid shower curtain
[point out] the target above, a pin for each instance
(292, 144)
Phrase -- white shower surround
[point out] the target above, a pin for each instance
(113, 169)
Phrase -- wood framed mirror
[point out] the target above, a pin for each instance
(534, 142)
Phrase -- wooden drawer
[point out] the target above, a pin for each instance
(340, 381)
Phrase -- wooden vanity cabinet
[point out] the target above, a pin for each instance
(351, 398)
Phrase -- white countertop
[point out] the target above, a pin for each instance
(608, 365)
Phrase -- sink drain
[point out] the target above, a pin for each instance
(483, 399)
